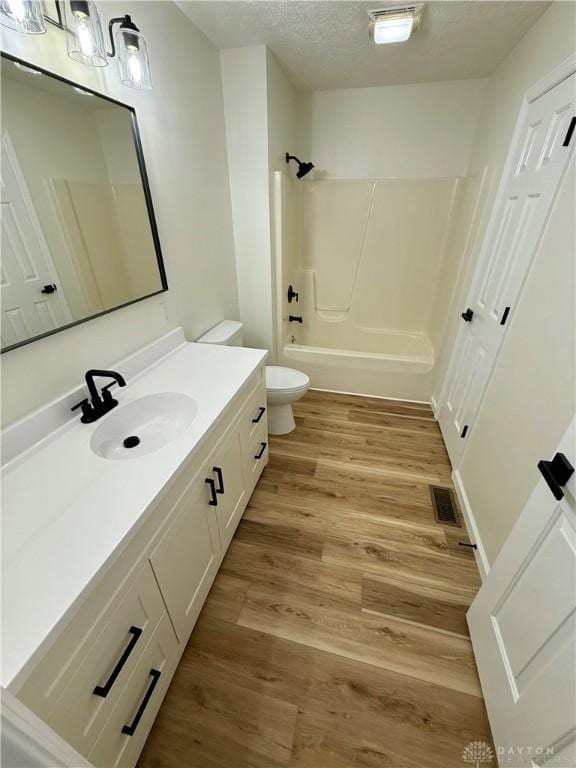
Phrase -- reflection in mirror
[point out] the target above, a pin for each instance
(78, 231)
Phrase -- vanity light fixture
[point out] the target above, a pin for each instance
(394, 24)
(84, 38)
(85, 42)
(23, 16)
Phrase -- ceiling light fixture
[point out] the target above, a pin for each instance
(23, 16)
(394, 24)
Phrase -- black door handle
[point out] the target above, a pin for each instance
(130, 730)
(468, 315)
(292, 294)
(294, 319)
(49, 288)
(261, 451)
(556, 473)
(104, 690)
(220, 477)
(261, 412)
(213, 498)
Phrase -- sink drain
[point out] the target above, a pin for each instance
(131, 442)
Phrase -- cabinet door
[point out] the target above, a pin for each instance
(187, 558)
(225, 477)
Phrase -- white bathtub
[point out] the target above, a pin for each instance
(393, 351)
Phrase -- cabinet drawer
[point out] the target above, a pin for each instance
(254, 413)
(255, 457)
(91, 693)
(130, 721)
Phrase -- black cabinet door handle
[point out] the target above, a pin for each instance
(104, 690)
(261, 412)
(220, 477)
(556, 473)
(213, 498)
(261, 451)
(468, 315)
(130, 730)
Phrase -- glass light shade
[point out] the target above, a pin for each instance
(84, 38)
(23, 16)
(133, 61)
(393, 30)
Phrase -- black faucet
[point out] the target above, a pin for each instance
(100, 402)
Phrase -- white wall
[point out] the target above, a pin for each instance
(401, 131)
(245, 105)
(530, 398)
(182, 126)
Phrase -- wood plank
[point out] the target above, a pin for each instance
(226, 598)
(382, 559)
(312, 618)
(207, 721)
(283, 538)
(406, 714)
(424, 605)
(258, 564)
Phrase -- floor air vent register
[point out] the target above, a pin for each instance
(444, 506)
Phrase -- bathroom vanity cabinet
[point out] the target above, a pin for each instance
(102, 680)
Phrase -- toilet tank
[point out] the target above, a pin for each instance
(228, 333)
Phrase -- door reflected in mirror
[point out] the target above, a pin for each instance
(79, 236)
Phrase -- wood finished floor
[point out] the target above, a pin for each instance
(335, 634)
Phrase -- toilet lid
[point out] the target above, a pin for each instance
(278, 377)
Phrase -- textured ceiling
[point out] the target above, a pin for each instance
(324, 45)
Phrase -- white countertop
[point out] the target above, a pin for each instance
(67, 512)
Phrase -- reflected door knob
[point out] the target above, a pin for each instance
(49, 288)
(468, 315)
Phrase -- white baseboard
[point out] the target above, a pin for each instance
(471, 527)
(434, 406)
(375, 397)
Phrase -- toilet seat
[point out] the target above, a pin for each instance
(280, 379)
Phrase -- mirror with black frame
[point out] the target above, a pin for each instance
(79, 237)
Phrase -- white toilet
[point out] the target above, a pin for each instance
(283, 385)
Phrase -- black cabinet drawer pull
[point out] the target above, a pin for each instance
(104, 690)
(556, 473)
(261, 412)
(220, 477)
(130, 730)
(213, 498)
(261, 451)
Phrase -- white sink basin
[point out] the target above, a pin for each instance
(150, 422)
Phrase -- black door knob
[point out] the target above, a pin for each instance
(468, 315)
(49, 288)
(556, 473)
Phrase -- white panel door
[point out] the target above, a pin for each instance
(523, 629)
(26, 263)
(537, 163)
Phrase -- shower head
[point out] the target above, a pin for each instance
(303, 168)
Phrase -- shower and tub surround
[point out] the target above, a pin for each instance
(367, 258)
